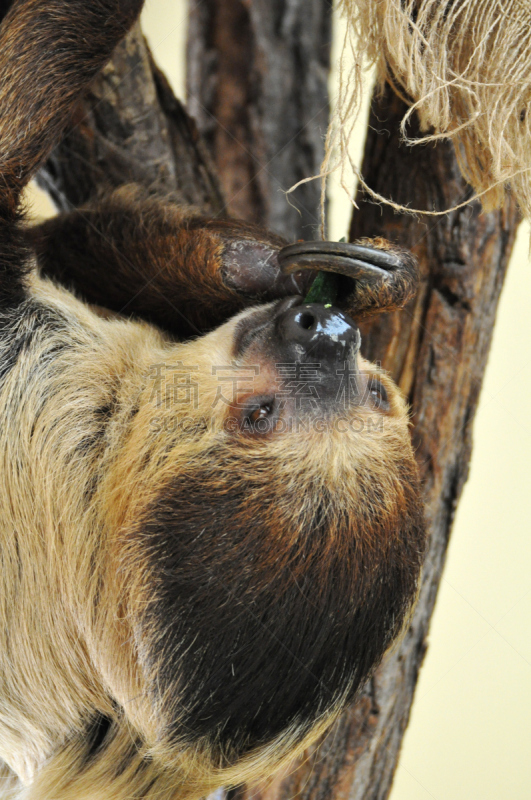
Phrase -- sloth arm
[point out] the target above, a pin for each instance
(39, 84)
(167, 263)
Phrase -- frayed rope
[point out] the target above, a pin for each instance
(467, 66)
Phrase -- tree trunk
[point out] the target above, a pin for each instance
(257, 84)
(131, 127)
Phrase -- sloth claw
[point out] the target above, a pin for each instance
(352, 260)
(378, 278)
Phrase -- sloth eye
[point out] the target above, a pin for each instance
(379, 395)
(260, 414)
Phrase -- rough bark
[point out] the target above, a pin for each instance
(436, 350)
(130, 127)
(257, 83)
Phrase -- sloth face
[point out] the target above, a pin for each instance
(309, 368)
(270, 550)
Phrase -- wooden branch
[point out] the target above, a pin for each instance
(257, 83)
(130, 127)
(437, 351)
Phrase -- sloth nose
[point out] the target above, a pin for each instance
(317, 330)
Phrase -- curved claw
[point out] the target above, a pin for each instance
(380, 278)
(352, 260)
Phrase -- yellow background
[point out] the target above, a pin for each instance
(470, 732)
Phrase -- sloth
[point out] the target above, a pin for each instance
(210, 517)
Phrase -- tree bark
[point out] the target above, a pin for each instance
(257, 84)
(130, 127)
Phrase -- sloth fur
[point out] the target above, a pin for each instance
(182, 606)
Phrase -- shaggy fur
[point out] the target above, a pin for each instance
(188, 599)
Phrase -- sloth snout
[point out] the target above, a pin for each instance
(318, 331)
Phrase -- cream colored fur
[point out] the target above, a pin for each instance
(69, 485)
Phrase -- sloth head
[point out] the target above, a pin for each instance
(273, 536)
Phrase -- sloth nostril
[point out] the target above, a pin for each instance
(323, 331)
(306, 320)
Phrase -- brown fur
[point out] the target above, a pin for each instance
(169, 264)
(137, 239)
(186, 602)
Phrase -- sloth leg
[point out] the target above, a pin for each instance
(49, 52)
(145, 255)
(167, 263)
